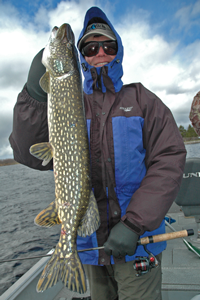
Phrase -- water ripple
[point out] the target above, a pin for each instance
(24, 193)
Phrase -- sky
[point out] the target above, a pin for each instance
(161, 41)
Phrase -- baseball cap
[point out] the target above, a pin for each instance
(95, 29)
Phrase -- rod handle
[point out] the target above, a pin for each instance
(165, 237)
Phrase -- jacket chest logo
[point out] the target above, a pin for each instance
(126, 108)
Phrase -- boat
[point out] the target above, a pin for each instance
(180, 267)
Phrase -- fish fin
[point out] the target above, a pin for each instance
(48, 217)
(91, 220)
(69, 270)
(42, 151)
(45, 82)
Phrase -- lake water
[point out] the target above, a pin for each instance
(23, 194)
(193, 150)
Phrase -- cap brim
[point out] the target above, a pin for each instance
(96, 32)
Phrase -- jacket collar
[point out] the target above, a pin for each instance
(115, 70)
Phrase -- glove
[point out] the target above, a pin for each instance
(121, 241)
(36, 71)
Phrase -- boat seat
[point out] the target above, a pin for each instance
(189, 194)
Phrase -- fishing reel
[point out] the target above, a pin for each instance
(144, 264)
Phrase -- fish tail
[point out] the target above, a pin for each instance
(69, 270)
(73, 275)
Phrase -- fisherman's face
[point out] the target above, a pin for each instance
(101, 58)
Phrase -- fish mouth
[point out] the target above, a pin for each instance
(65, 34)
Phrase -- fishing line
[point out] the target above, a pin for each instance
(46, 255)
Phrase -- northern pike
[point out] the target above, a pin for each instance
(75, 206)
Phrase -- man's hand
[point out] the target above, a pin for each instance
(121, 241)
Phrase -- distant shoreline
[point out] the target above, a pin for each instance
(192, 142)
(7, 162)
(11, 161)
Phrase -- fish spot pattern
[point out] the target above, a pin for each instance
(69, 142)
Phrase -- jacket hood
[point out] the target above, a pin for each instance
(115, 70)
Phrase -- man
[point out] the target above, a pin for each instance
(137, 161)
(195, 113)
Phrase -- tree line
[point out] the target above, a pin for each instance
(187, 133)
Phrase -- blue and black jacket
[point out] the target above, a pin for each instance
(137, 154)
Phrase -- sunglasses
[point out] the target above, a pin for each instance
(92, 48)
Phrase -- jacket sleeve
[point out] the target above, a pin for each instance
(29, 127)
(165, 161)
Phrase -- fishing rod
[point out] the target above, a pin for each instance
(143, 241)
(191, 247)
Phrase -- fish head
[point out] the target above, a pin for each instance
(59, 53)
